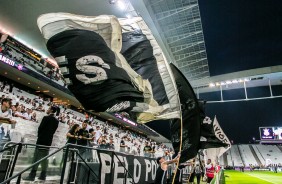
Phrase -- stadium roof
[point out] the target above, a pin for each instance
(204, 39)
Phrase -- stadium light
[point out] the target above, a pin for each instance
(217, 84)
(228, 82)
(211, 84)
(121, 5)
(112, 1)
(235, 81)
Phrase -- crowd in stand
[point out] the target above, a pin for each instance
(28, 61)
(84, 130)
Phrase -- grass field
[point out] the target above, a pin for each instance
(256, 177)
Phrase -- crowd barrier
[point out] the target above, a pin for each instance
(111, 168)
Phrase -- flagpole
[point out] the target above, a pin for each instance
(180, 147)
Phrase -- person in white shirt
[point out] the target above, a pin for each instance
(27, 115)
(18, 112)
(98, 134)
(5, 114)
(134, 150)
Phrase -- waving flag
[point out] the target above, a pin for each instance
(212, 136)
(191, 119)
(88, 51)
(146, 58)
(216, 142)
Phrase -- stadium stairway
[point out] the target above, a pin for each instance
(225, 161)
(25, 159)
(258, 153)
(55, 165)
(280, 147)
(255, 155)
(240, 155)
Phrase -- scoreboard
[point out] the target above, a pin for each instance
(270, 134)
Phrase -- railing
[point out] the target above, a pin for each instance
(219, 178)
(67, 149)
(18, 175)
(15, 149)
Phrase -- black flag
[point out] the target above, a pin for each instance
(209, 139)
(190, 117)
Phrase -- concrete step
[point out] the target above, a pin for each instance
(52, 170)
(49, 180)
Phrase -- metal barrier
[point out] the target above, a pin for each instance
(219, 178)
(14, 150)
(68, 149)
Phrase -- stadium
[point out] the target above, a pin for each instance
(140, 91)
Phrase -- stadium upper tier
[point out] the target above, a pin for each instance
(255, 155)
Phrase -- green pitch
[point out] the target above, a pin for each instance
(256, 177)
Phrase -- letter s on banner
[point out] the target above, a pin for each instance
(84, 65)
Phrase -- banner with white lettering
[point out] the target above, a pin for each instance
(221, 136)
(114, 167)
(212, 135)
(11, 62)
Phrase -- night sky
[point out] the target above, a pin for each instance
(242, 34)
(241, 120)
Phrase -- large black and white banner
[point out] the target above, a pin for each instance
(112, 65)
(113, 168)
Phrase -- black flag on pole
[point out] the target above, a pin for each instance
(209, 131)
(190, 118)
(208, 136)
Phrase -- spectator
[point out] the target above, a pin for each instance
(111, 145)
(103, 145)
(98, 134)
(40, 108)
(209, 171)
(147, 150)
(18, 112)
(83, 137)
(72, 134)
(46, 130)
(161, 173)
(33, 117)
(92, 136)
(198, 173)
(27, 115)
(134, 149)
(122, 146)
(5, 111)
